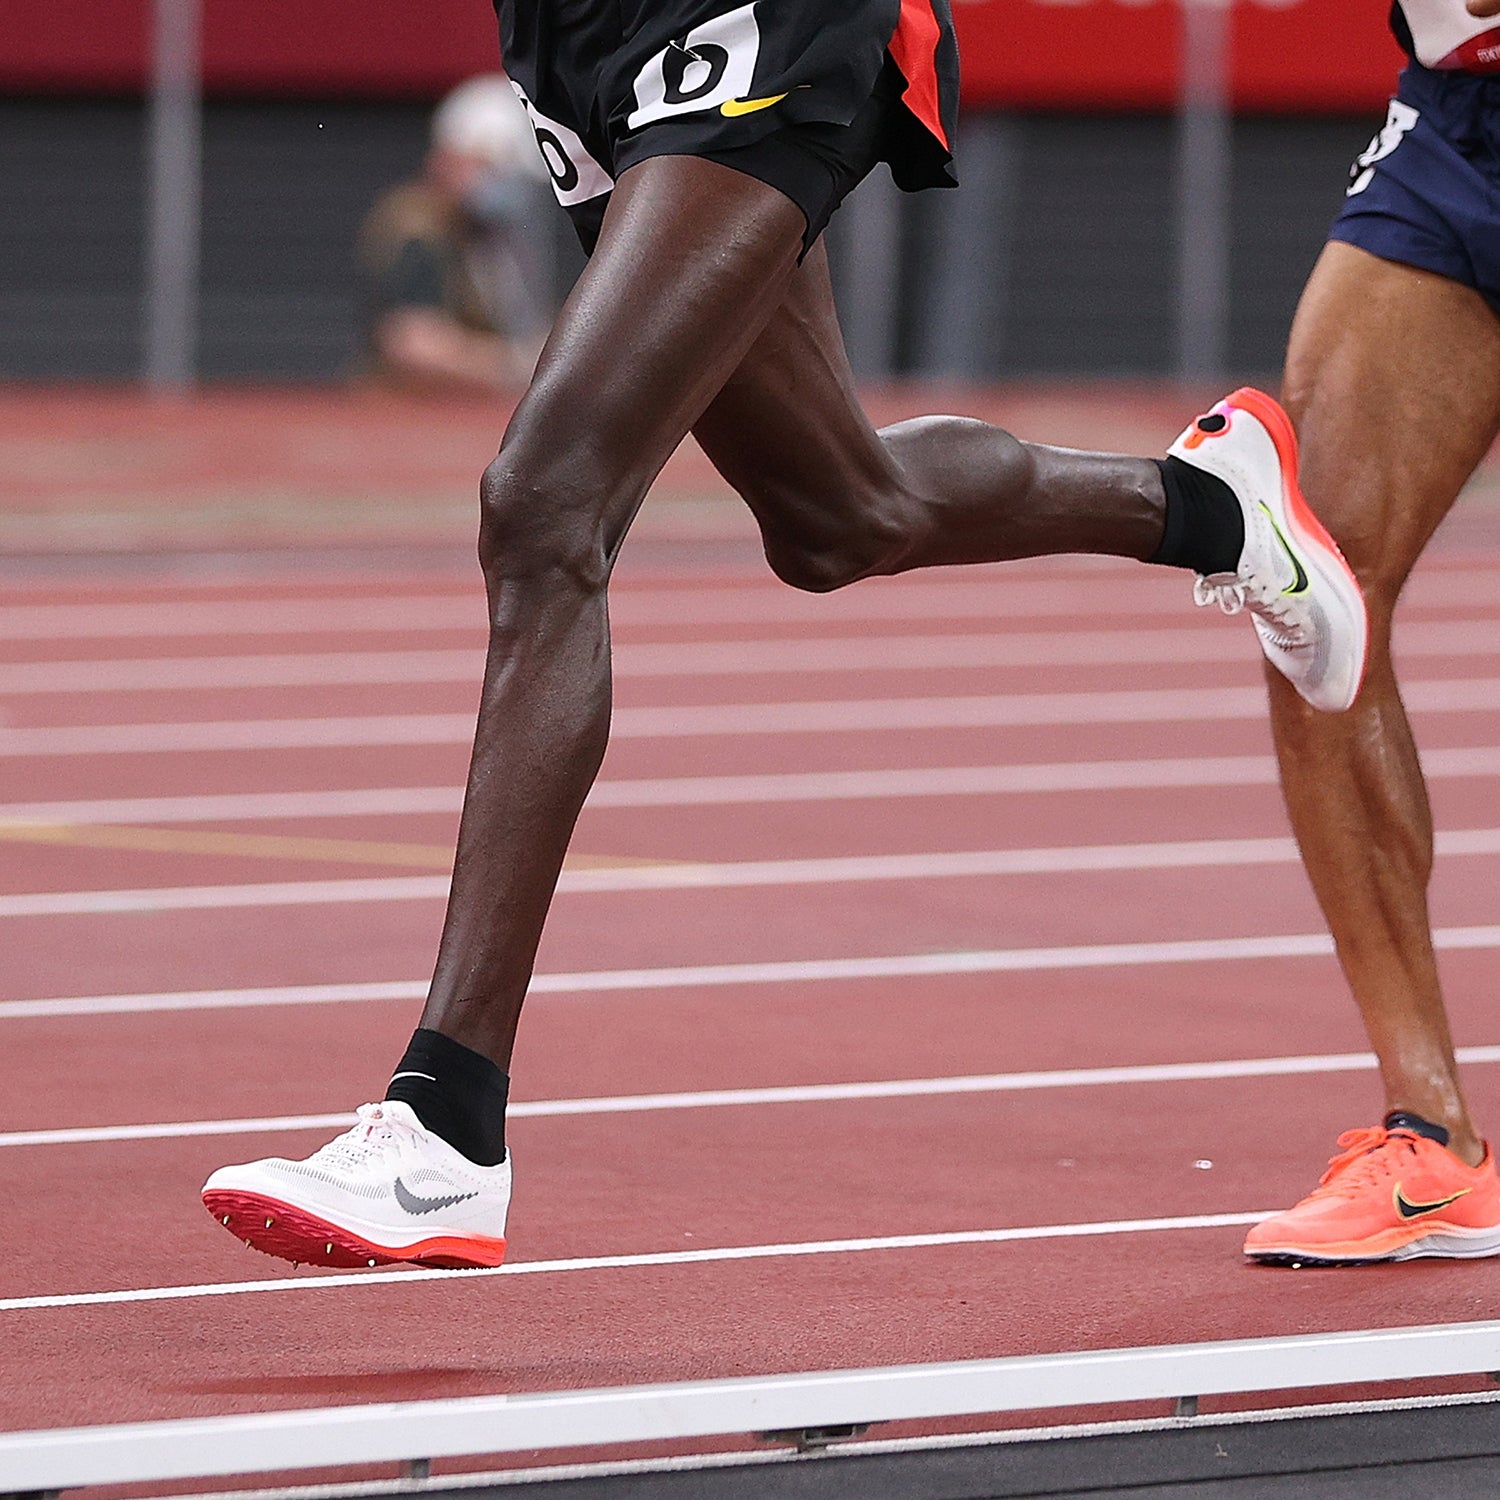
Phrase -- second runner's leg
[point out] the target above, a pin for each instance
(1393, 377)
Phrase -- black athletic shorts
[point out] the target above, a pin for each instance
(806, 95)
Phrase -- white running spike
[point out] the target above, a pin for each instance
(386, 1189)
(1304, 600)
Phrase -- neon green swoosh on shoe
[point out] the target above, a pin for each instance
(1299, 584)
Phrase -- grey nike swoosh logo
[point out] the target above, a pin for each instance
(415, 1205)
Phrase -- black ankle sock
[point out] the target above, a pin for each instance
(1205, 528)
(1400, 1119)
(457, 1094)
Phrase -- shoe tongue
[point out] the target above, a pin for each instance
(1399, 1119)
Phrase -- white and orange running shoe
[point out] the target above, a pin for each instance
(386, 1190)
(1292, 578)
(1390, 1194)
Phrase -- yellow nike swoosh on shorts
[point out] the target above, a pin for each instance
(734, 107)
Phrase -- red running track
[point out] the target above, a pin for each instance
(1139, 717)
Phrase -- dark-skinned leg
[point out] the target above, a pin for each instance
(693, 260)
(837, 501)
(694, 263)
(693, 313)
(1393, 380)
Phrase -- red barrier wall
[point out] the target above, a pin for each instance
(1320, 56)
(1295, 55)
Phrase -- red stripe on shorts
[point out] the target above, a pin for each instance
(914, 48)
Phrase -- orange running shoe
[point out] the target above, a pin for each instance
(1390, 1194)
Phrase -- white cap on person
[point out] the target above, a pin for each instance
(483, 118)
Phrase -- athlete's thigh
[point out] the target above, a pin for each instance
(1393, 381)
(787, 430)
(692, 260)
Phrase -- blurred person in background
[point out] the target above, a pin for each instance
(451, 266)
(1393, 381)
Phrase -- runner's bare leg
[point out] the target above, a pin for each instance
(837, 501)
(1393, 380)
(696, 261)
(692, 261)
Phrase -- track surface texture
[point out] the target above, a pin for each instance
(936, 951)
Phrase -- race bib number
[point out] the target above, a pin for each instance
(576, 176)
(709, 67)
(1398, 121)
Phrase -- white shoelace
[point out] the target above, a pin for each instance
(1230, 597)
(373, 1135)
(1264, 601)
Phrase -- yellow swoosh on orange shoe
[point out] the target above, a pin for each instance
(1410, 1210)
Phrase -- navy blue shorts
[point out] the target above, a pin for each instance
(1426, 191)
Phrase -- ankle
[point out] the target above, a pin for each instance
(1451, 1129)
(1204, 527)
(457, 1094)
(1466, 1145)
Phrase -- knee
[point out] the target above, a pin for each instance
(868, 524)
(539, 516)
(1356, 493)
(839, 549)
(1380, 554)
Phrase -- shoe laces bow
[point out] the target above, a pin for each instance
(374, 1134)
(1366, 1158)
(1233, 594)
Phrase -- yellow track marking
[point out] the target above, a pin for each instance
(270, 846)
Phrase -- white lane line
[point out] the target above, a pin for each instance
(1187, 854)
(314, 669)
(745, 599)
(234, 807)
(731, 603)
(239, 734)
(851, 869)
(985, 711)
(713, 976)
(313, 1282)
(241, 999)
(145, 619)
(812, 1093)
(227, 897)
(296, 583)
(701, 791)
(863, 653)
